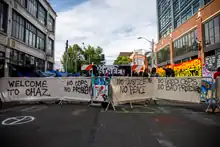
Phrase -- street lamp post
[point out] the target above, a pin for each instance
(152, 49)
(67, 56)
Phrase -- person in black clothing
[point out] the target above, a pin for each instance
(154, 72)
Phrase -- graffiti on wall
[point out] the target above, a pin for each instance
(186, 69)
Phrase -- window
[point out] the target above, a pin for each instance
(163, 55)
(189, 40)
(195, 7)
(21, 59)
(176, 6)
(183, 3)
(41, 14)
(183, 40)
(165, 19)
(49, 66)
(206, 26)
(207, 1)
(17, 26)
(212, 31)
(185, 43)
(51, 23)
(41, 40)
(3, 16)
(13, 56)
(188, 14)
(177, 22)
(21, 2)
(216, 29)
(31, 32)
(27, 61)
(184, 18)
(32, 7)
(32, 60)
(40, 64)
(50, 46)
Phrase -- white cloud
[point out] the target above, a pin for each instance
(112, 24)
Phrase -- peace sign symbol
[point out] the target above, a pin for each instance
(17, 120)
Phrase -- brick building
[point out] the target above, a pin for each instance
(188, 29)
(27, 35)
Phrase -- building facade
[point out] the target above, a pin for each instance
(27, 35)
(188, 29)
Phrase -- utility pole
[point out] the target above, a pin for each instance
(76, 64)
(67, 56)
(152, 49)
(153, 55)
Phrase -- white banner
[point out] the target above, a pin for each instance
(130, 89)
(31, 89)
(186, 89)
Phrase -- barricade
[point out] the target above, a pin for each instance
(115, 91)
(131, 89)
(185, 89)
(218, 89)
(43, 89)
(207, 89)
(214, 101)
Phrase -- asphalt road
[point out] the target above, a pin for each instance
(83, 126)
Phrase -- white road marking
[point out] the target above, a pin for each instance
(12, 109)
(201, 119)
(78, 111)
(28, 108)
(162, 140)
(34, 108)
(163, 110)
(17, 120)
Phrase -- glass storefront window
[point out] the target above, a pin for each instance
(21, 59)
(186, 43)
(27, 60)
(216, 29)
(212, 31)
(163, 55)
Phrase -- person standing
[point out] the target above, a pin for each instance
(217, 74)
(154, 72)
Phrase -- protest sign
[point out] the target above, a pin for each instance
(129, 89)
(186, 89)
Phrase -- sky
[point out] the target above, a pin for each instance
(113, 25)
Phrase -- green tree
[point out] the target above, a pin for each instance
(75, 58)
(78, 56)
(122, 60)
(93, 55)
